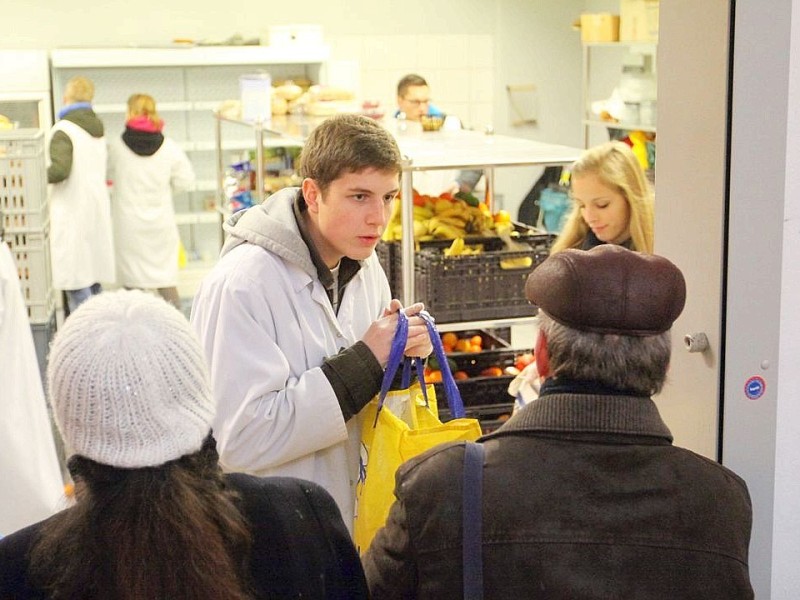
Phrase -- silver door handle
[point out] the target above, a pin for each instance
(695, 342)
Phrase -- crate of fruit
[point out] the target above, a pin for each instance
(488, 282)
(23, 179)
(482, 376)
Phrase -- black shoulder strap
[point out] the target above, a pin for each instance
(473, 521)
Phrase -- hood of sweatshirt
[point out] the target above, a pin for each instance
(142, 143)
(87, 120)
(271, 225)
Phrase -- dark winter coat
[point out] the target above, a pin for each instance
(301, 548)
(584, 496)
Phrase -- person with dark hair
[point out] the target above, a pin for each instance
(413, 103)
(297, 319)
(155, 517)
(413, 98)
(583, 493)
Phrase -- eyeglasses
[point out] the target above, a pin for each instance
(417, 102)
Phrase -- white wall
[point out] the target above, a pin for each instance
(469, 50)
(785, 581)
(760, 438)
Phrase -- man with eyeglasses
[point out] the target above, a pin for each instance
(414, 102)
(414, 99)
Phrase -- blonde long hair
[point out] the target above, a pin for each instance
(617, 167)
(142, 105)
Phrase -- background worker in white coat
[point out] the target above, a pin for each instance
(145, 168)
(81, 247)
(32, 483)
(297, 319)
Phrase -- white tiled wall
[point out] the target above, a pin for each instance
(459, 69)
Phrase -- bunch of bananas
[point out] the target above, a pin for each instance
(460, 248)
(441, 218)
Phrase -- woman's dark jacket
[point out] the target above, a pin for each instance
(301, 547)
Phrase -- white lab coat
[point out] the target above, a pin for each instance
(145, 233)
(266, 324)
(32, 487)
(81, 245)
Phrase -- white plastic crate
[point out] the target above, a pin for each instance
(23, 179)
(31, 252)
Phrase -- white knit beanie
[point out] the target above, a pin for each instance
(128, 381)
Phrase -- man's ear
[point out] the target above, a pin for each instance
(312, 194)
(542, 355)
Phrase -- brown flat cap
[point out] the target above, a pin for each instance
(609, 289)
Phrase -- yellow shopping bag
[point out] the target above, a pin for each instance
(398, 425)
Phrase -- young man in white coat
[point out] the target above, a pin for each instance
(297, 318)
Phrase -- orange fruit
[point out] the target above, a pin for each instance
(459, 375)
(449, 339)
(447, 348)
(502, 216)
(463, 345)
(434, 377)
(492, 372)
(476, 340)
(476, 348)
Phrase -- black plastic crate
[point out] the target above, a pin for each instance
(468, 287)
(479, 390)
(490, 417)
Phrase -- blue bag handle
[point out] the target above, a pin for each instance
(396, 358)
(451, 392)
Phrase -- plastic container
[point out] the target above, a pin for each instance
(31, 252)
(23, 179)
(469, 287)
(255, 92)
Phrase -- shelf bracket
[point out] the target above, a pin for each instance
(524, 103)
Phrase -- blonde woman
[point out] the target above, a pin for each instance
(613, 202)
(146, 168)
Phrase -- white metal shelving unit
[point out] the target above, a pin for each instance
(463, 149)
(428, 151)
(188, 84)
(600, 73)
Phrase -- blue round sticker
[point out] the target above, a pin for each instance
(754, 387)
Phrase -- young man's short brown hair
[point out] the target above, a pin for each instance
(410, 80)
(347, 144)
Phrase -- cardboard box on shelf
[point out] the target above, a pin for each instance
(600, 27)
(638, 20)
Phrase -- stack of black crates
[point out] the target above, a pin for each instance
(473, 287)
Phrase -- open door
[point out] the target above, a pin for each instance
(691, 189)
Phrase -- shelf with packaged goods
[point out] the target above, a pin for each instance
(280, 131)
(188, 84)
(601, 72)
